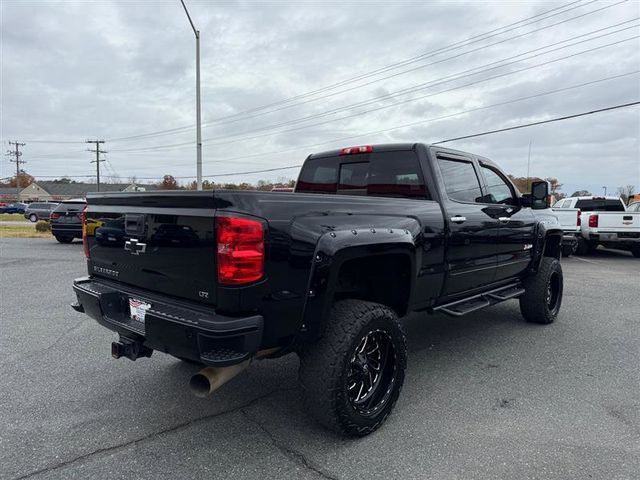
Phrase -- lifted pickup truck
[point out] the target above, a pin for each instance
(370, 234)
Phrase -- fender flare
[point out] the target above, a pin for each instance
(337, 247)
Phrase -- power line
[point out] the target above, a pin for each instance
(542, 122)
(162, 147)
(424, 121)
(448, 78)
(453, 46)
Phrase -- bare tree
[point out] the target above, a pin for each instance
(625, 192)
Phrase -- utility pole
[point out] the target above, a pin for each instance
(198, 123)
(17, 153)
(97, 160)
(528, 168)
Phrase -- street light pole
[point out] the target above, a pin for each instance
(605, 190)
(198, 122)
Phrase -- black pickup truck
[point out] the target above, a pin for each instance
(370, 234)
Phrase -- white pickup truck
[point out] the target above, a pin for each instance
(605, 221)
(569, 219)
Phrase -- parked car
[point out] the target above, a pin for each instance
(39, 211)
(370, 234)
(606, 221)
(16, 207)
(66, 221)
(633, 207)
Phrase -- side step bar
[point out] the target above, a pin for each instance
(485, 299)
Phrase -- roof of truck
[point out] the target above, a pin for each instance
(394, 147)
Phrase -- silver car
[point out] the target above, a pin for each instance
(39, 211)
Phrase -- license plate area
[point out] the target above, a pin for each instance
(138, 310)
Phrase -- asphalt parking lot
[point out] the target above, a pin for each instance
(485, 396)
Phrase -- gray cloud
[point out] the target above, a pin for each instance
(72, 70)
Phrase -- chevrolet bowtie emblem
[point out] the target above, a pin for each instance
(135, 247)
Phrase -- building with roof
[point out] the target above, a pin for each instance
(54, 191)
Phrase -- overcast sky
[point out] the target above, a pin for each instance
(78, 70)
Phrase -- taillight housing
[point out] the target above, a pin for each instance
(240, 250)
(85, 243)
(579, 223)
(593, 221)
(54, 215)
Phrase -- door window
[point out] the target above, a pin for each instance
(460, 180)
(498, 190)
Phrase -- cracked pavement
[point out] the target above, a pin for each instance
(486, 395)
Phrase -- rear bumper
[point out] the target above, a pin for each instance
(178, 328)
(66, 230)
(623, 238)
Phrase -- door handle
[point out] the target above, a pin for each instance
(458, 219)
(504, 219)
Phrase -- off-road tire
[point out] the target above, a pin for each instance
(33, 218)
(535, 304)
(326, 365)
(584, 247)
(63, 239)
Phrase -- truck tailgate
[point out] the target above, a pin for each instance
(618, 221)
(163, 242)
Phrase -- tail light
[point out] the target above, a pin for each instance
(85, 243)
(353, 150)
(593, 221)
(579, 222)
(240, 250)
(54, 215)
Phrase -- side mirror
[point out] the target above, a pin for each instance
(540, 195)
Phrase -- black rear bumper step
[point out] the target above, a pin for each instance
(481, 300)
(182, 330)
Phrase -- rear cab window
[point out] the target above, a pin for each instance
(380, 174)
(600, 205)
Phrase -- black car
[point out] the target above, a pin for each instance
(66, 220)
(370, 234)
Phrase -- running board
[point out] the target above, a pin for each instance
(482, 300)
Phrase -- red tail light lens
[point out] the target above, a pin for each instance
(593, 221)
(54, 215)
(579, 218)
(240, 250)
(85, 243)
(354, 150)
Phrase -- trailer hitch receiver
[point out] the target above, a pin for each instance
(130, 349)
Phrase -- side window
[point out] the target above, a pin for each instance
(460, 180)
(498, 190)
(353, 178)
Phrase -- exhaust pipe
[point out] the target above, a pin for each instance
(209, 379)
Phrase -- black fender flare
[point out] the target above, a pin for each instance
(545, 232)
(333, 249)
